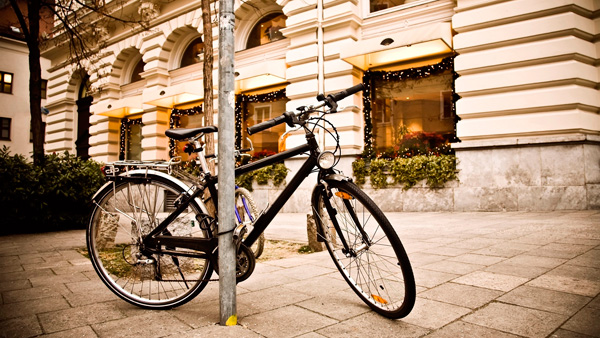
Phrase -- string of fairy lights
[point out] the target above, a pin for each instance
(370, 77)
(124, 140)
(241, 109)
(175, 122)
(241, 114)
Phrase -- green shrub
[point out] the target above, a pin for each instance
(359, 168)
(275, 172)
(54, 196)
(377, 173)
(436, 170)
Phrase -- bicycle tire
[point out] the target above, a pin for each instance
(124, 213)
(378, 271)
(242, 194)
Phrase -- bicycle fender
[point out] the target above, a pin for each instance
(144, 173)
(338, 177)
(100, 191)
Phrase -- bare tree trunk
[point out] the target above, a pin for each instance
(208, 91)
(31, 30)
(35, 80)
(208, 76)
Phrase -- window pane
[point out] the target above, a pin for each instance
(378, 5)
(412, 108)
(137, 71)
(5, 128)
(8, 78)
(134, 142)
(44, 86)
(267, 30)
(267, 140)
(193, 53)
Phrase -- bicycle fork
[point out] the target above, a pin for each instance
(326, 193)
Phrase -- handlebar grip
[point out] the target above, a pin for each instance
(266, 125)
(347, 92)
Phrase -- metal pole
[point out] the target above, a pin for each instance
(321, 60)
(227, 250)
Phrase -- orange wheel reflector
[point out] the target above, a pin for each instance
(343, 195)
(379, 299)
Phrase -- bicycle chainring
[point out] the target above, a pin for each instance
(245, 263)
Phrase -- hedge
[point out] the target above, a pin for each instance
(54, 196)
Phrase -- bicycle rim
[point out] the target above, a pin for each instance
(248, 213)
(121, 218)
(375, 266)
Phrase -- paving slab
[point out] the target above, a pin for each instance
(373, 326)
(461, 295)
(288, 321)
(494, 281)
(460, 329)
(586, 321)
(515, 319)
(546, 300)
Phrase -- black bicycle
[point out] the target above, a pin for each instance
(153, 241)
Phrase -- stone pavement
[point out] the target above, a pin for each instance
(478, 275)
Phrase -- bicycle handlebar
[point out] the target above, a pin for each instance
(267, 124)
(288, 116)
(347, 92)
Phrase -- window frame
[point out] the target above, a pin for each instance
(44, 88)
(262, 20)
(3, 83)
(369, 13)
(2, 128)
(184, 51)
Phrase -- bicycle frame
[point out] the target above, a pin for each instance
(208, 245)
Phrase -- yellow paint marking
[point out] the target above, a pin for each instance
(232, 321)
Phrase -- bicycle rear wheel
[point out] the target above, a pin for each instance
(123, 215)
(365, 248)
(248, 213)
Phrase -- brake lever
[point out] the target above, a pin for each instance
(346, 107)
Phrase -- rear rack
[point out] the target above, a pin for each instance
(171, 167)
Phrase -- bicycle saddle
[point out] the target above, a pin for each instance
(183, 133)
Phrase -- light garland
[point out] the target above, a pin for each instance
(124, 141)
(241, 109)
(174, 122)
(370, 77)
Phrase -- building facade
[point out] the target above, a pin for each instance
(15, 119)
(512, 84)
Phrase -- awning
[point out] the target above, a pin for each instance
(409, 44)
(259, 75)
(119, 108)
(172, 96)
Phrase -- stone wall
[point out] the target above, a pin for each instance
(531, 177)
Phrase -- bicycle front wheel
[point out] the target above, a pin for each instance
(365, 248)
(247, 211)
(124, 213)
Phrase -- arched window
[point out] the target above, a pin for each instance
(136, 75)
(267, 30)
(193, 53)
(379, 5)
